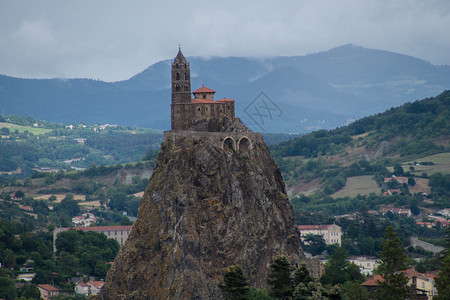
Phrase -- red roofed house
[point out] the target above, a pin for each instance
(47, 290)
(331, 233)
(95, 286)
(185, 111)
(422, 284)
(119, 233)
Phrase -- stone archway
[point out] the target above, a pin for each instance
(229, 144)
(244, 144)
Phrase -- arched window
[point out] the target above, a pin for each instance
(204, 96)
(185, 76)
(178, 76)
(186, 88)
(176, 66)
(177, 88)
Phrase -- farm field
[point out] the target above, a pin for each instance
(59, 197)
(33, 130)
(362, 185)
(441, 164)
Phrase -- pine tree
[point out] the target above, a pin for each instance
(280, 278)
(235, 284)
(302, 275)
(443, 278)
(393, 261)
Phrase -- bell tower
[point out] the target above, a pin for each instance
(181, 92)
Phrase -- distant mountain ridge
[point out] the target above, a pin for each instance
(321, 90)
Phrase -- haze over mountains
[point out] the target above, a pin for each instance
(322, 90)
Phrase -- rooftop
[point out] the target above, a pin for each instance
(203, 89)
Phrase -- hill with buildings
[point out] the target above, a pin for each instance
(398, 157)
(321, 90)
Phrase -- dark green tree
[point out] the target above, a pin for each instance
(443, 278)
(235, 284)
(7, 288)
(31, 292)
(314, 244)
(339, 270)
(280, 278)
(394, 285)
(302, 275)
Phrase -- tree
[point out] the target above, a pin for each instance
(302, 275)
(398, 170)
(354, 291)
(443, 278)
(339, 270)
(314, 244)
(235, 284)
(7, 288)
(280, 278)
(31, 292)
(393, 261)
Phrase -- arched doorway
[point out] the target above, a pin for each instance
(244, 144)
(229, 145)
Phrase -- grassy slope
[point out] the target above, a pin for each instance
(372, 139)
(21, 129)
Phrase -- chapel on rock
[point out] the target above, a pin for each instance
(188, 113)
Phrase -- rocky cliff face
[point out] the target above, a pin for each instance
(205, 209)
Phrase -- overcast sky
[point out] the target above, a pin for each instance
(113, 40)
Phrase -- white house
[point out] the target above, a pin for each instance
(331, 233)
(366, 264)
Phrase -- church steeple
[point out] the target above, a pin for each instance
(181, 92)
(181, 80)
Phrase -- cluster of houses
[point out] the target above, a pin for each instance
(85, 220)
(82, 288)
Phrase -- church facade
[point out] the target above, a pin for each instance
(187, 111)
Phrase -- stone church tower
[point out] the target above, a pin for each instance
(181, 93)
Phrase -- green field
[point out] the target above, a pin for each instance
(362, 185)
(441, 164)
(32, 130)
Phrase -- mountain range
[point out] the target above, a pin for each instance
(322, 90)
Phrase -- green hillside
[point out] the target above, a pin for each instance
(343, 170)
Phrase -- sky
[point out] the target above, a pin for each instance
(114, 40)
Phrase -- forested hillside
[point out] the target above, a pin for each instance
(319, 164)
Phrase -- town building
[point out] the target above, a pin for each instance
(331, 233)
(119, 233)
(422, 284)
(48, 291)
(186, 111)
(366, 264)
(89, 288)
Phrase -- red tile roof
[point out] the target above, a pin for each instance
(310, 227)
(373, 281)
(48, 287)
(225, 100)
(195, 101)
(97, 284)
(102, 228)
(203, 89)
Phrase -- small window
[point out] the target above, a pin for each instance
(178, 76)
(204, 96)
(185, 76)
(176, 66)
(198, 109)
